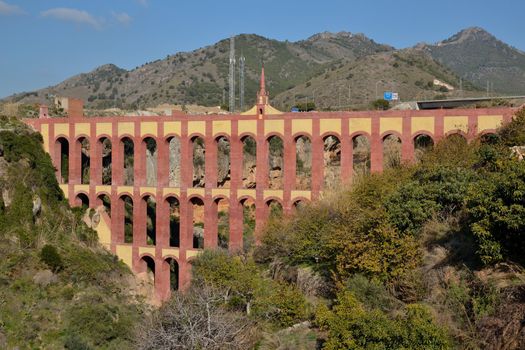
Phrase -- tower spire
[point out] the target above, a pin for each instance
(262, 86)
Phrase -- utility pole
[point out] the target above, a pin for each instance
(232, 74)
(241, 85)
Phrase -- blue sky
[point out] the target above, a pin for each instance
(43, 42)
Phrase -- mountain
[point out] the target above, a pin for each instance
(201, 76)
(478, 56)
(356, 83)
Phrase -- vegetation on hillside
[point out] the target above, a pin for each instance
(58, 288)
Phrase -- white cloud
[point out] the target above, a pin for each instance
(8, 9)
(73, 15)
(122, 18)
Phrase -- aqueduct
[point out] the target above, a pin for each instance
(165, 181)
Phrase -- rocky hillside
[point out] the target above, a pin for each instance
(58, 287)
(201, 76)
(479, 57)
(355, 83)
(332, 62)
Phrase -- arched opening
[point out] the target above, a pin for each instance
(105, 147)
(275, 162)
(489, 138)
(248, 223)
(82, 200)
(391, 151)
(299, 204)
(197, 208)
(360, 156)
(63, 146)
(151, 161)
(151, 218)
(199, 161)
(457, 138)
(174, 208)
(147, 265)
(127, 210)
(422, 144)
(275, 209)
(223, 222)
(174, 159)
(129, 159)
(223, 162)
(249, 162)
(104, 204)
(332, 161)
(174, 274)
(85, 159)
(303, 163)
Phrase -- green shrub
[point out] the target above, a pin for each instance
(49, 255)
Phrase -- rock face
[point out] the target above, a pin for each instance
(174, 172)
(151, 167)
(199, 163)
(223, 162)
(332, 161)
(45, 278)
(303, 178)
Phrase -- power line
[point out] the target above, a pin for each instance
(241, 78)
(232, 74)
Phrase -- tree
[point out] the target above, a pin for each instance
(380, 104)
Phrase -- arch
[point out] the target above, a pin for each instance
(147, 265)
(248, 222)
(223, 221)
(150, 207)
(85, 159)
(105, 146)
(300, 203)
(151, 150)
(303, 162)
(173, 267)
(223, 161)
(126, 209)
(173, 204)
(249, 161)
(489, 137)
(274, 207)
(197, 214)
(275, 146)
(423, 143)
(104, 202)
(198, 161)
(82, 200)
(391, 151)
(62, 151)
(174, 146)
(457, 136)
(128, 155)
(332, 160)
(361, 155)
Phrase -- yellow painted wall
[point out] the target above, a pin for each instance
(82, 128)
(124, 252)
(455, 123)
(330, 125)
(302, 125)
(106, 189)
(172, 128)
(147, 250)
(247, 126)
(273, 193)
(126, 128)
(304, 194)
(104, 128)
(190, 253)
(196, 191)
(360, 125)
(144, 190)
(65, 189)
(245, 192)
(171, 191)
(122, 189)
(220, 192)
(222, 126)
(62, 129)
(148, 128)
(104, 231)
(81, 188)
(391, 124)
(170, 252)
(197, 127)
(423, 123)
(487, 122)
(273, 126)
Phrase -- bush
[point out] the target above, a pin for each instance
(49, 255)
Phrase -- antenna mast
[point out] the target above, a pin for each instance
(241, 78)
(232, 74)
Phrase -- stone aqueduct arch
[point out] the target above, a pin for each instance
(124, 230)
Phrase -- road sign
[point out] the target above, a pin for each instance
(395, 96)
(387, 95)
